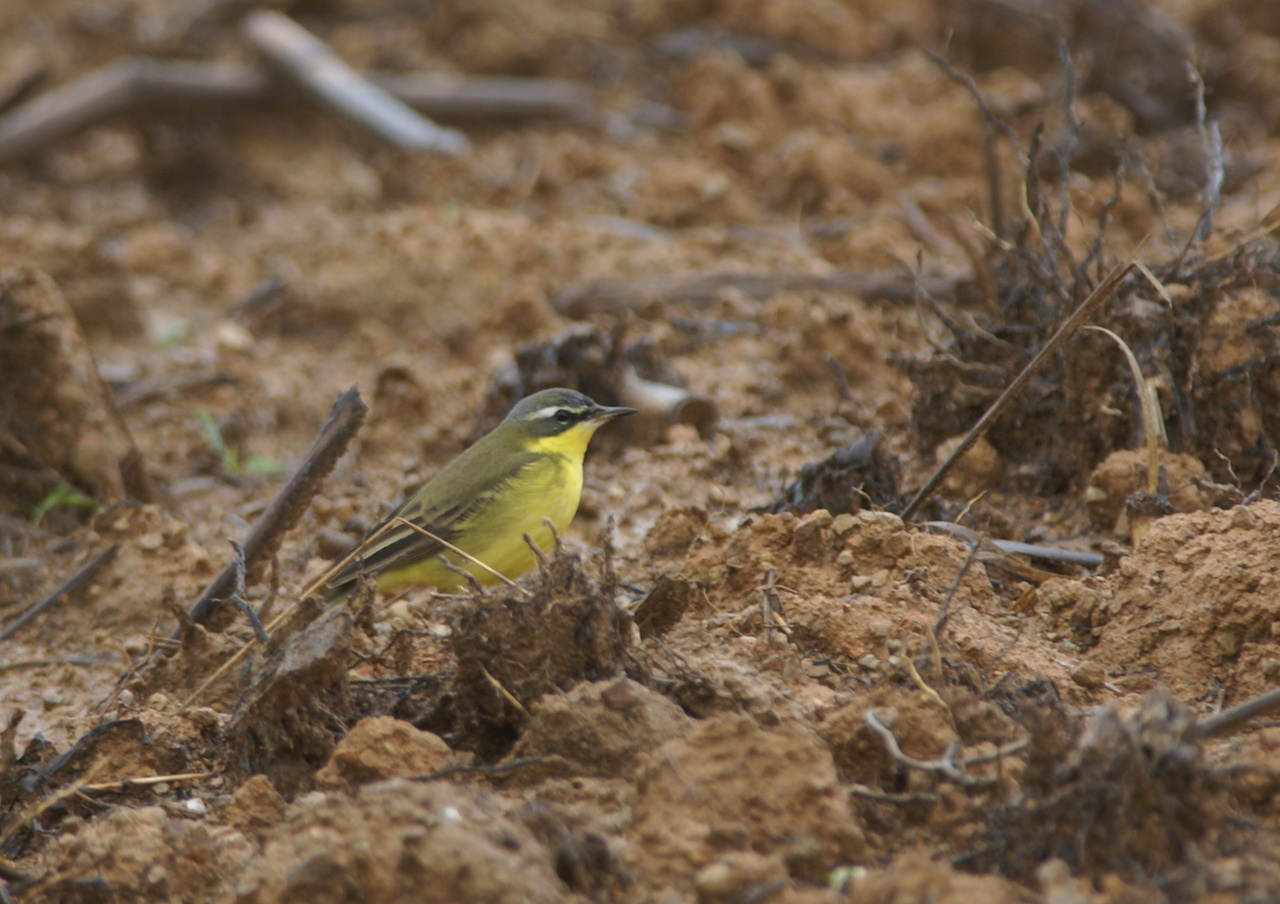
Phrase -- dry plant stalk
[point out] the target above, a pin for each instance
(141, 85)
(82, 576)
(268, 531)
(1152, 423)
(313, 66)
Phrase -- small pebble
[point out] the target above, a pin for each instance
(232, 336)
(888, 519)
(195, 806)
(1242, 518)
(1135, 683)
(155, 876)
(811, 525)
(716, 881)
(880, 627)
(1089, 674)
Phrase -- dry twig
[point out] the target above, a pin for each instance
(768, 604)
(503, 692)
(1229, 720)
(1152, 423)
(237, 596)
(147, 781)
(142, 84)
(993, 124)
(264, 538)
(313, 66)
(884, 797)
(1001, 548)
(1211, 195)
(268, 531)
(34, 811)
(945, 765)
(82, 575)
(671, 404)
(616, 296)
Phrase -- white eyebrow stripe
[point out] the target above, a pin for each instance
(549, 411)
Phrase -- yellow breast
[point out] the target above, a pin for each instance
(547, 490)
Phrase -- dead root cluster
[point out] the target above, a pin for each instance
(1034, 273)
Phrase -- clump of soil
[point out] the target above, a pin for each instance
(381, 747)
(61, 423)
(603, 729)
(401, 841)
(731, 786)
(564, 629)
(1190, 609)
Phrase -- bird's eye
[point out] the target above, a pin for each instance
(564, 416)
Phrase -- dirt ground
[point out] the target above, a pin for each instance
(841, 227)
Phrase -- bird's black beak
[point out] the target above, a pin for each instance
(604, 413)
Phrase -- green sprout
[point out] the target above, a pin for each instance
(842, 877)
(229, 456)
(172, 335)
(63, 494)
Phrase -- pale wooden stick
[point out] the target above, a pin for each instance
(141, 83)
(82, 575)
(286, 508)
(147, 780)
(316, 69)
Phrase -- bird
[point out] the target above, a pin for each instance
(522, 478)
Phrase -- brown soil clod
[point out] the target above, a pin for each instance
(35, 794)
(379, 748)
(110, 750)
(511, 650)
(854, 477)
(603, 728)
(295, 707)
(664, 605)
(60, 424)
(769, 790)
(402, 841)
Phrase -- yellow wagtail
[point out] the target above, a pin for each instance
(523, 477)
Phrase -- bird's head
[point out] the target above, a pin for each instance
(559, 420)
